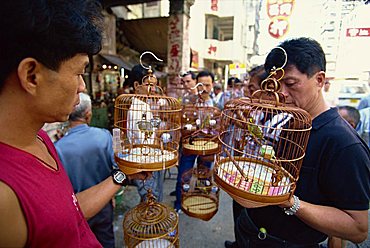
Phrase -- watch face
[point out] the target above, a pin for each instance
(119, 177)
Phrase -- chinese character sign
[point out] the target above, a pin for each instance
(175, 44)
(214, 5)
(212, 50)
(279, 12)
(358, 32)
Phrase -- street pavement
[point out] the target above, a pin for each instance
(194, 233)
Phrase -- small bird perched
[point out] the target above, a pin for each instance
(255, 131)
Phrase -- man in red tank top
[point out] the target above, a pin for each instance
(43, 55)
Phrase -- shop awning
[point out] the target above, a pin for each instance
(110, 3)
(149, 34)
(115, 60)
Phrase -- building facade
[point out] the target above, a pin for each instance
(223, 36)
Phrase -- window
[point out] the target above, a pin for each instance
(219, 28)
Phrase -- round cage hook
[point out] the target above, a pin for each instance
(148, 52)
(274, 68)
(200, 92)
(271, 85)
(196, 86)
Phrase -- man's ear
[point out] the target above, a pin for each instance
(88, 116)
(320, 79)
(352, 123)
(27, 70)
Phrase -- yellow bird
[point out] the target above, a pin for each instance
(255, 130)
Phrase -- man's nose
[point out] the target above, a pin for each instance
(284, 90)
(81, 86)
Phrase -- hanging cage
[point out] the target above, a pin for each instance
(200, 195)
(151, 225)
(263, 146)
(200, 125)
(148, 126)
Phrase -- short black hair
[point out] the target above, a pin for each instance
(206, 74)
(352, 113)
(259, 72)
(232, 81)
(304, 53)
(217, 86)
(48, 31)
(193, 76)
(138, 72)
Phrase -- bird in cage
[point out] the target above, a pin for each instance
(254, 130)
(262, 152)
(149, 123)
(204, 132)
(138, 119)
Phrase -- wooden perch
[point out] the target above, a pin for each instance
(236, 164)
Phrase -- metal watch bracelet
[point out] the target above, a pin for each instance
(294, 208)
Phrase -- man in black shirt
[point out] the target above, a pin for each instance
(333, 191)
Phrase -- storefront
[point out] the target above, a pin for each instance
(108, 75)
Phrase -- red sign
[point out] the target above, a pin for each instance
(214, 5)
(212, 49)
(358, 32)
(279, 8)
(278, 27)
(174, 51)
(279, 12)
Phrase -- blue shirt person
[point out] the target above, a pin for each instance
(87, 155)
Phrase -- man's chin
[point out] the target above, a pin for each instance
(63, 118)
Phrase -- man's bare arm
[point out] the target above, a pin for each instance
(346, 224)
(93, 199)
(13, 226)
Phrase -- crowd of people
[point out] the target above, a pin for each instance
(61, 195)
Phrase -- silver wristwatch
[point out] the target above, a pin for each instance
(293, 209)
(119, 177)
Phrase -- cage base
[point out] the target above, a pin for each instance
(253, 199)
(147, 162)
(158, 243)
(199, 206)
(201, 147)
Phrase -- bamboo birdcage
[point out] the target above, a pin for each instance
(263, 146)
(200, 128)
(151, 225)
(150, 125)
(200, 195)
